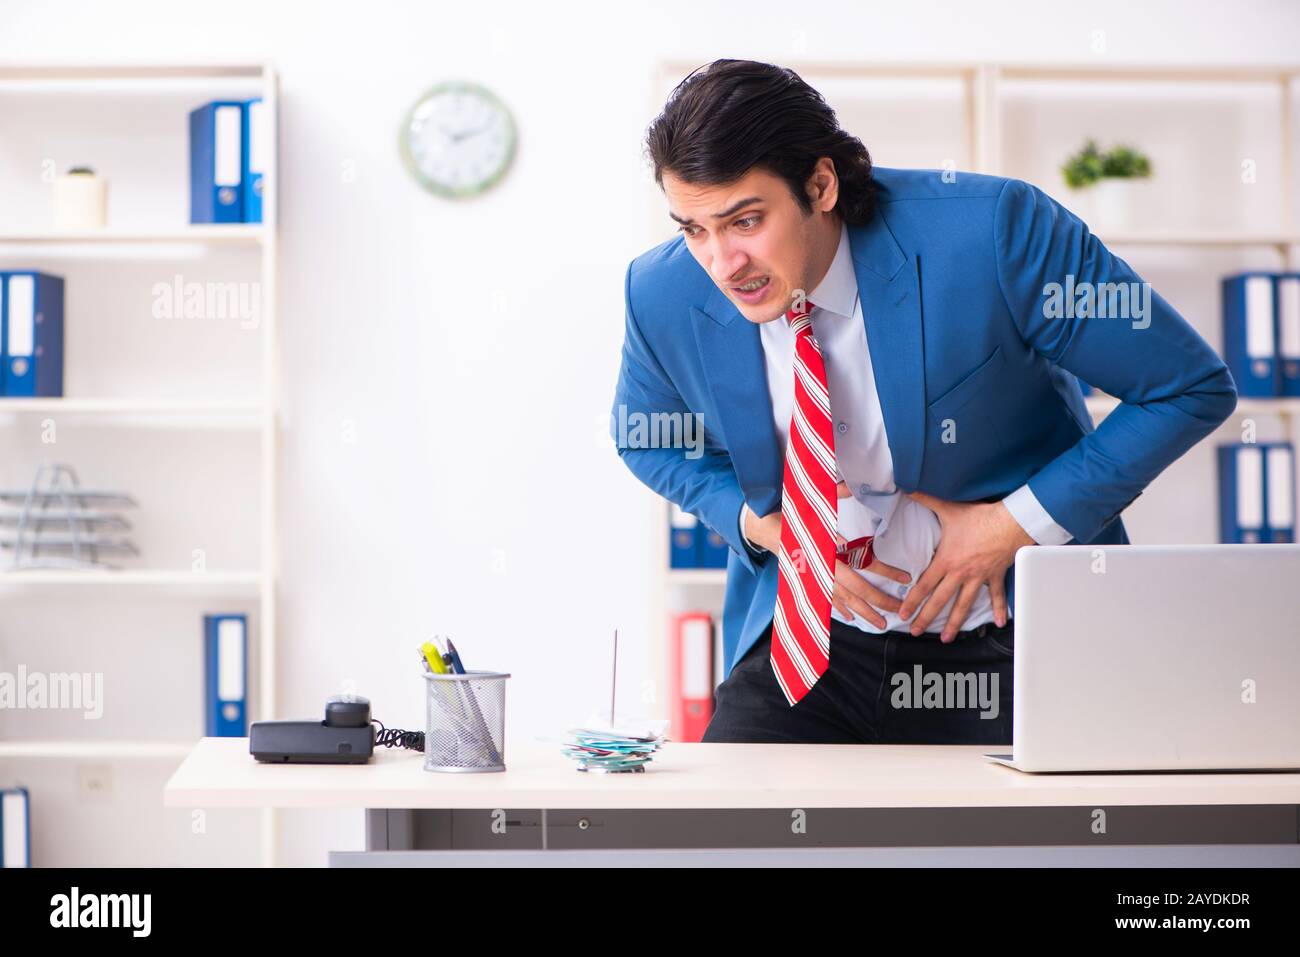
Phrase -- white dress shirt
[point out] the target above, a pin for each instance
(906, 532)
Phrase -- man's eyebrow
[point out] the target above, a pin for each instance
(733, 208)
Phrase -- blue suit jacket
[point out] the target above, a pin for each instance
(952, 281)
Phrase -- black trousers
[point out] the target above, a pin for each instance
(878, 689)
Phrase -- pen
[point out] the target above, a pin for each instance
(458, 667)
(454, 659)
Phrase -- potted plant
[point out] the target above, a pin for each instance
(1107, 180)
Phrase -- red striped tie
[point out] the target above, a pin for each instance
(806, 573)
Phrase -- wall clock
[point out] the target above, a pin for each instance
(458, 140)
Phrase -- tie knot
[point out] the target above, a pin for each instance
(800, 315)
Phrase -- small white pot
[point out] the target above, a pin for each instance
(80, 201)
(1113, 200)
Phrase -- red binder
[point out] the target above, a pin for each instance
(691, 675)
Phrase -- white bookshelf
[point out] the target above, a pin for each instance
(252, 413)
(983, 90)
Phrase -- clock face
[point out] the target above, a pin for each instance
(458, 140)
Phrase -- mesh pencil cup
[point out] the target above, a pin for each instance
(466, 721)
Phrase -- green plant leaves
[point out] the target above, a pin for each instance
(1089, 165)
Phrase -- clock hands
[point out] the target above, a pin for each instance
(456, 137)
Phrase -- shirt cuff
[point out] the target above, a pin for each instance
(1025, 508)
(755, 550)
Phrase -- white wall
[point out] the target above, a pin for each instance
(474, 346)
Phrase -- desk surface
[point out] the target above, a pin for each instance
(219, 772)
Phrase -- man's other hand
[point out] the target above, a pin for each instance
(852, 594)
(977, 544)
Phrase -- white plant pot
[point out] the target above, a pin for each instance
(1113, 204)
(80, 202)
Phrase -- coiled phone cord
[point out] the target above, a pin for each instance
(397, 738)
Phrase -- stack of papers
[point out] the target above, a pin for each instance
(607, 749)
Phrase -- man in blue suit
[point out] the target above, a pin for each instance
(954, 315)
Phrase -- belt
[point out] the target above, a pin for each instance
(979, 632)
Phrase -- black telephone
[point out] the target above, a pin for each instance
(344, 737)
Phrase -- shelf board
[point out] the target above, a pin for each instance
(697, 576)
(170, 750)
(1087, 70)
(143, 578)
(235, 233)
(1194, 237)
(127, 70)
(1172, 72)
(171, 409)
(1101, 405)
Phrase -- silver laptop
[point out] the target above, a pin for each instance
(1151, 658)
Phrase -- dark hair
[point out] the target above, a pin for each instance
(733, 115)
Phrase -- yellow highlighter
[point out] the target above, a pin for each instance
(434, 658)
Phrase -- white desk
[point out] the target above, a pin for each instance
(752, 803)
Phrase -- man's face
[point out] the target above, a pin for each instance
(752, 233)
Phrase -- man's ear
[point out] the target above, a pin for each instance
(823, 186)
